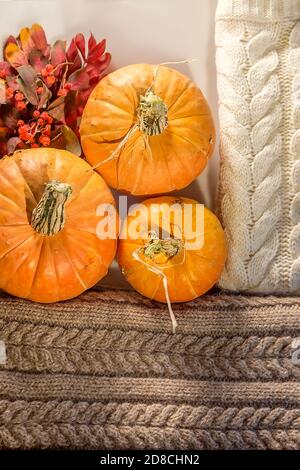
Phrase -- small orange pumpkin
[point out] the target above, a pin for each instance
(147, 259)
(147, 130)
(49, 250)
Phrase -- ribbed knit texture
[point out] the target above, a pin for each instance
(103, 371)
(258, 62)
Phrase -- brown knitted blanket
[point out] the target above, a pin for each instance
(103, 371)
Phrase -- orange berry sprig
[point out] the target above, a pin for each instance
(44, 88)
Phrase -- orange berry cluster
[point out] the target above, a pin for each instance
(37, 131)
(18, 96)
(48, 75)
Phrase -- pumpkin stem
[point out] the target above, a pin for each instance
(48, 218)
(152, 114)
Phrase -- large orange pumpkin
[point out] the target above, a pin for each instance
(190, 257)
(148, 130)
(49, 250)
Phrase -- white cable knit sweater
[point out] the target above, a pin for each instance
(258, 62)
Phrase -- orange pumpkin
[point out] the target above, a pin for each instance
(49, 250)
(189, 255)
(147, 130)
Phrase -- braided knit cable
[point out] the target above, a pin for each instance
(250, 115)
(295, 145)
(139, 437)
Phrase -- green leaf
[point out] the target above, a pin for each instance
(27, 81)
(71, 141)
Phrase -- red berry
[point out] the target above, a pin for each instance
(20, 105)
(44, 73)
(40, 121)
(3, 73)
(46, 132)
(50, 120)
(68, 86)
(62, 92)
(45, 140)
(9, 93)
(19, 96)
(36, 113)
(44, 115)
(50, 80)
(49, 68)
(20, 123)
(39, 90)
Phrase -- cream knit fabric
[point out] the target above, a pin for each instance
(258, 62)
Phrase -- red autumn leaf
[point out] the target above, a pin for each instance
(71, 109)
(96, 52)
(73, 57)
(80, 43)
(58, 53)
(37, 60)
(92, 42)
(39, 38)
(100, 65)
(82, 98)
(79, 80)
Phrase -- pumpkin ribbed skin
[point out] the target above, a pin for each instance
(190, 273)
(171, 160)
(58, 267)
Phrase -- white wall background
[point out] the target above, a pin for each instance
(136, 31)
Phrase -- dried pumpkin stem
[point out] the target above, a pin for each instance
(152, 114)
(48, 218)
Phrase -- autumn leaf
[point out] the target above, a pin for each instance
(58, 53)
(45, 96)
(57, 109)
(14, 55)
(27, 82)
(37, 60)
(79, 80)
(39, 38)
(71, 141)
(80, 43)
(12, 144)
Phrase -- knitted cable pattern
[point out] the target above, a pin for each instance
(295, 145)
(103, 371)
(251, 145)
(257, 57)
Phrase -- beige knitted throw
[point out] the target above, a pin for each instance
(103, 371)
(258, 62)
